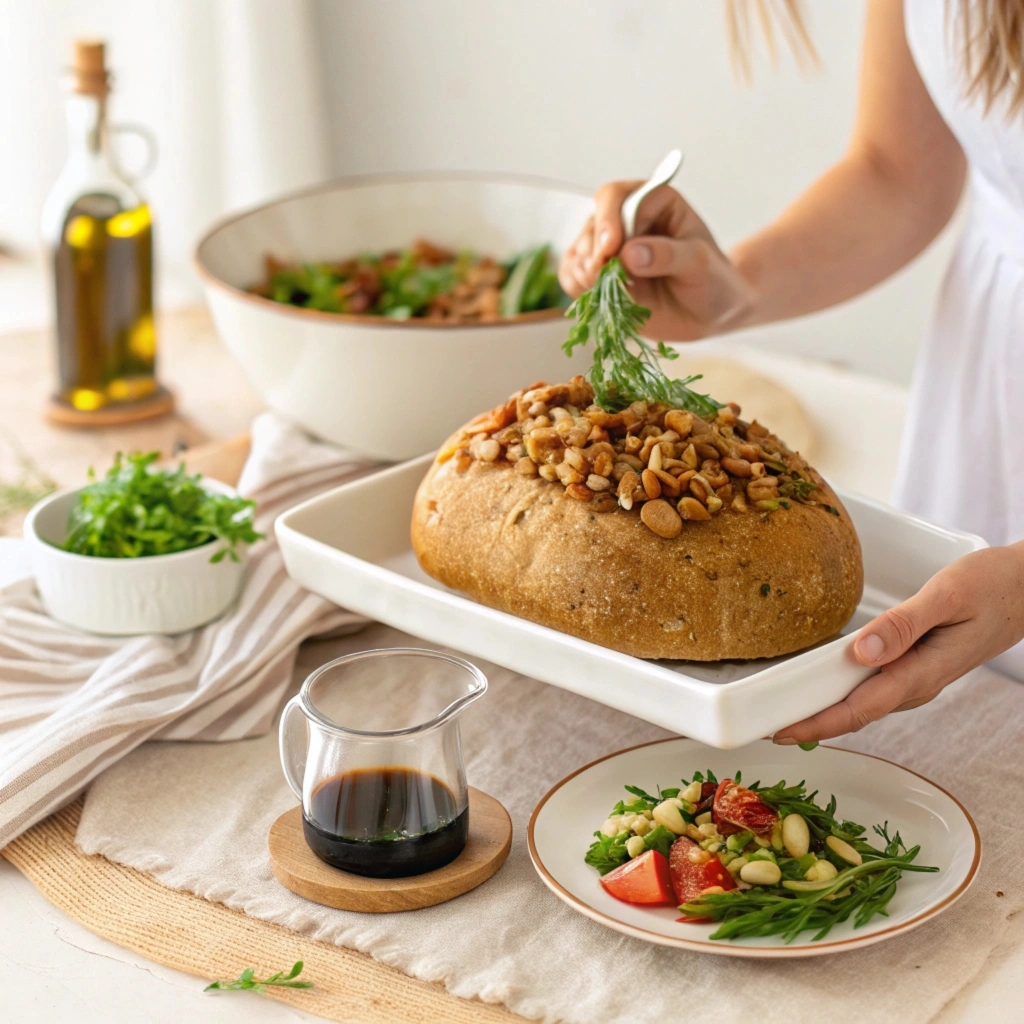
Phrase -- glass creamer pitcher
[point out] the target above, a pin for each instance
(370, 745)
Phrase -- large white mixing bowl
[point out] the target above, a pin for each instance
(384, 388)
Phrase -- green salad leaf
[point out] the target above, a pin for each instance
(135, 512)
(608, 316)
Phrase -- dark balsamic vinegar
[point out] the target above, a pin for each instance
(385, 822)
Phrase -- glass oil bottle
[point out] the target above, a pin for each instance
(99, 235)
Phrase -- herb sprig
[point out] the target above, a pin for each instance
(861, 892)
(608, 315)
(247, 981)
(136, 512)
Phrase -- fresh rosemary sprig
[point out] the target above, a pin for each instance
(246, 981)
(608, 315)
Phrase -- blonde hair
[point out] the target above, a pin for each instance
(990, 33)
(785, 15)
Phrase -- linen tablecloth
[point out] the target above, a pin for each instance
(196, 816)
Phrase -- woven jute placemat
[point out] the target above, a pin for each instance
(212, 941)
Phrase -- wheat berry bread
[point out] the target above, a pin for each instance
(729, 547)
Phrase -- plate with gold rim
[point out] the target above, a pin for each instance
(868, 790)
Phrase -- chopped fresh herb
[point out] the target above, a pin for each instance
(608, 852)
(608, 315)
(831, 509)
(247, 981)
(137, 512)
(766, 589)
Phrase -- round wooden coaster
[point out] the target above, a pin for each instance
(117, 414)
(299, 869)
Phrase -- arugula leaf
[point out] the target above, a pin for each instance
(608, 315)
(136, 512)
(637, 791)
(608, 852)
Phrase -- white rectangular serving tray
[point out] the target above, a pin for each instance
(352, 545)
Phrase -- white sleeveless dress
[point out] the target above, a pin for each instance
(962, 459)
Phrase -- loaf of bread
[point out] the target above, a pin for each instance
(651, 531)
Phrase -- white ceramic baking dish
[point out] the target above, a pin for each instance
(352, 546)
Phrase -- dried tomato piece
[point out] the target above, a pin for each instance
(693, 870)
(742, 809)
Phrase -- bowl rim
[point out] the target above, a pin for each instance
(354, 181)
(36, 540)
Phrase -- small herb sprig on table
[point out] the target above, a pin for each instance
(609, 317)
(247, 981)
(136, 512)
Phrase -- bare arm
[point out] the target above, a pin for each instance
(866, 217)
(875, 210)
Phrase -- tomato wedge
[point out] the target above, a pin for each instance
(691, 874)
(645, 879)
(738, 809)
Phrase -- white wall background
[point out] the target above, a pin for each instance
(250, 97)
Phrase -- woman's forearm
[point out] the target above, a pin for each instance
(876, 209)
(858, 224)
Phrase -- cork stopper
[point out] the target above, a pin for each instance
(88, 69)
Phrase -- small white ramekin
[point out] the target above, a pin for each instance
(127, 596)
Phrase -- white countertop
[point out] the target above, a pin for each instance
(54, 970)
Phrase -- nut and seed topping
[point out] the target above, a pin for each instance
(669, 464)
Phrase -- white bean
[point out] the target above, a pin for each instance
(641, 826)
(796, 837)
(709, 829)
(612, 826)
(692, 793)
(703, 819)
(843, 849)
(635, 846)
(761, 872)
(668, 815)
(822, 871)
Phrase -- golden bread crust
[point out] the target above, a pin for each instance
(740, 585)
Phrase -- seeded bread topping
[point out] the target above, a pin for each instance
(667, 464)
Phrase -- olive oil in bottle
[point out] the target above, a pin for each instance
(100, 236)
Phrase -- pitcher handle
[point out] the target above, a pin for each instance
(293, 768)
(148, 140)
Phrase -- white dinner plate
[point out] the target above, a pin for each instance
(868, 790)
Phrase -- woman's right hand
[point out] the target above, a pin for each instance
(677, 269)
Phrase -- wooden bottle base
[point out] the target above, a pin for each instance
(299, 869)
(117, 414)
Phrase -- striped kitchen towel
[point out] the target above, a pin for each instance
(72, 703)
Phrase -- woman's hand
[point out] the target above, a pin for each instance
(962, 617)
(678, 271)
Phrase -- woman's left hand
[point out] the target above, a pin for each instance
(962, 617)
